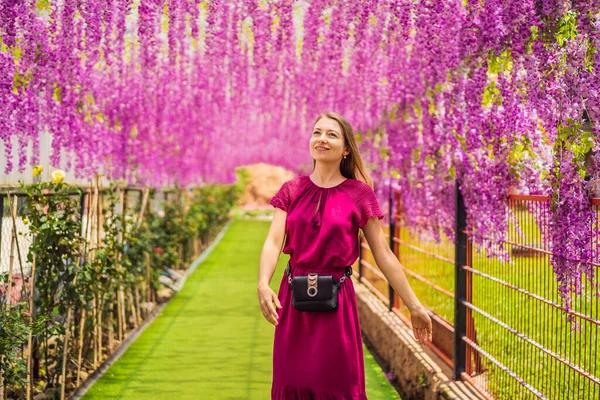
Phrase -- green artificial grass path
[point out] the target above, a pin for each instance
(211, 340)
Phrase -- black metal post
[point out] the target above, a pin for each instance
(391, 244)
(460, 278)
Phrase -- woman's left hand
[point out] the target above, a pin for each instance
(421, 325)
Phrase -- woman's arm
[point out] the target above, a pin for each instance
(268, 263)
(272, 248)
(390, 267)
(388, 263)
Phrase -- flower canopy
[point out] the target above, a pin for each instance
(493, 93)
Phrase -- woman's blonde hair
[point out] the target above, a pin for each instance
(352, 166)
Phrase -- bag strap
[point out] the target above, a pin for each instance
(288, 272)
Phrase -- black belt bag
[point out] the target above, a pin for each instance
(314, 292)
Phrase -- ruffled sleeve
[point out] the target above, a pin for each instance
(282, 197)
(367, 206)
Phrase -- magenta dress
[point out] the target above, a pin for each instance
(318, 355)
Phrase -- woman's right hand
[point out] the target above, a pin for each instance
(268, 301)
(421, 325)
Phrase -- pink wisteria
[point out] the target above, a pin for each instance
(493, 93)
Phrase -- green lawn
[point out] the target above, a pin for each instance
(211, 341)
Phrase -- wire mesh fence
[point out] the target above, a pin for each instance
(500, 321)
(521, 340)
(14, 247)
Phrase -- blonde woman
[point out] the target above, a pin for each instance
(318, 355)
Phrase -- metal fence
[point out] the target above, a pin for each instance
(23, 240)
(500, 324)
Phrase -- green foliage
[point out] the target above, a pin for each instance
(54, 222)
(501, 63)
(491, 94)
(520, 149)
(15, 327)
(423, 381)
(169, 229)
(572, 137)
(14, 331)
(71, 272)
(107, 275)
(566, 28)
(52, 211)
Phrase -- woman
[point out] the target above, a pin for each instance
(318, 355)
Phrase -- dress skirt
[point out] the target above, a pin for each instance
(318, 355)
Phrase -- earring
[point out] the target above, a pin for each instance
(344, 157)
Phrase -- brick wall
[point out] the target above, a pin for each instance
(420, 373)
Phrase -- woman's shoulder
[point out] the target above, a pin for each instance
(287, 193)
(294, 186)
(365, 202)
(357, 188)
(295, 181)
(360, 192)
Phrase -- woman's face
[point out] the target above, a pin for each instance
(327, 141)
